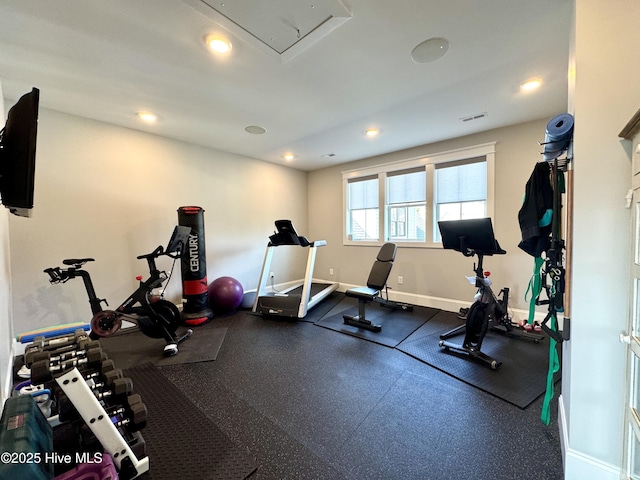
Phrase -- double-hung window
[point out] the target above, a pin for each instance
(402, 202)
(363, 212)
(460, 190)
(406, 205)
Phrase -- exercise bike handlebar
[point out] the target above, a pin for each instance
(158, 252)
(155, 254)
(56, 275)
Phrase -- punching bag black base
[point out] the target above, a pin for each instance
(195, 289)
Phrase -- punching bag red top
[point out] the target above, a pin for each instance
(195, 309)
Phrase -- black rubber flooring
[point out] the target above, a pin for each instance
(396, 325)
(521, 378)
(306, 402)
(181, 441)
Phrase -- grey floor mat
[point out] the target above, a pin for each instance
(130, 347)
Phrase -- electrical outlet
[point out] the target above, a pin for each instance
(400, 280)
(331, 272)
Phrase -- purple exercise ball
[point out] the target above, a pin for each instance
(225, 294)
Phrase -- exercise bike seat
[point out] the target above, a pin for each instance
(77, 261)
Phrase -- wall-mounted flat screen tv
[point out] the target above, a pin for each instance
(18, 155)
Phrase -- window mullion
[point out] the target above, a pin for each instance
(430, 222)
(382, 206)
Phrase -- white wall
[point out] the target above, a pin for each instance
(112, 194)
(606, 96)
(6, 330)
(433, 272)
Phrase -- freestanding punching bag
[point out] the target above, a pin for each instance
(195, 307)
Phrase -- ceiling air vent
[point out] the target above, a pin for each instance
(477, 116)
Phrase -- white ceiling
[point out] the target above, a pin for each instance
(108, 59)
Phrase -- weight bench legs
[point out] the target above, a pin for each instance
(359, 321)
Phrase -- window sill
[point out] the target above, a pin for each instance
(377, 243)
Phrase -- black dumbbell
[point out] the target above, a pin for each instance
(135, 441)
(43, 371)
(132, 415)
(112, 375)
(55, 357)
(129, 419)
(137, 444)
(63, 354)
(120, 388)
(101, 380)
(105, 372)
(43, 343)
(106, 366)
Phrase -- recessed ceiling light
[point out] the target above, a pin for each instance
(218, 43)
(288, 156)
(147, 116)
(430, 50)
(531, 85)
(255, 130)
(371, 132)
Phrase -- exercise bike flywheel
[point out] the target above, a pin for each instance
(106, 323)
(163, 318)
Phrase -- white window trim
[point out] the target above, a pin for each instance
(487, 150)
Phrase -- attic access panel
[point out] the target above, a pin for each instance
(281, 27)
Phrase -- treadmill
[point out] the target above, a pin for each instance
(298, 299)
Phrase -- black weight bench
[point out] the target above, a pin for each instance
(376, 282)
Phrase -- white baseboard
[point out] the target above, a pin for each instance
(564, 431)
(447, 304)
(578, 466)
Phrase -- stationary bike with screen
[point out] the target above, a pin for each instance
(475, 237)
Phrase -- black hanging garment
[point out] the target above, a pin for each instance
(536, 212)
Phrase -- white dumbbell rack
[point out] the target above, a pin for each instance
(94, 415)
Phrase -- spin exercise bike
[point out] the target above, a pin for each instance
(156, 318)
(474, 237)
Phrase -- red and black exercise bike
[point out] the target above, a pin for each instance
(156, 318)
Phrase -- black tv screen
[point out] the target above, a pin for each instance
(18, 155)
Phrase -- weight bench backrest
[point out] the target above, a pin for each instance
(382, 266)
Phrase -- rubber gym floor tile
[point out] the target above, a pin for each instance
(520, 380)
